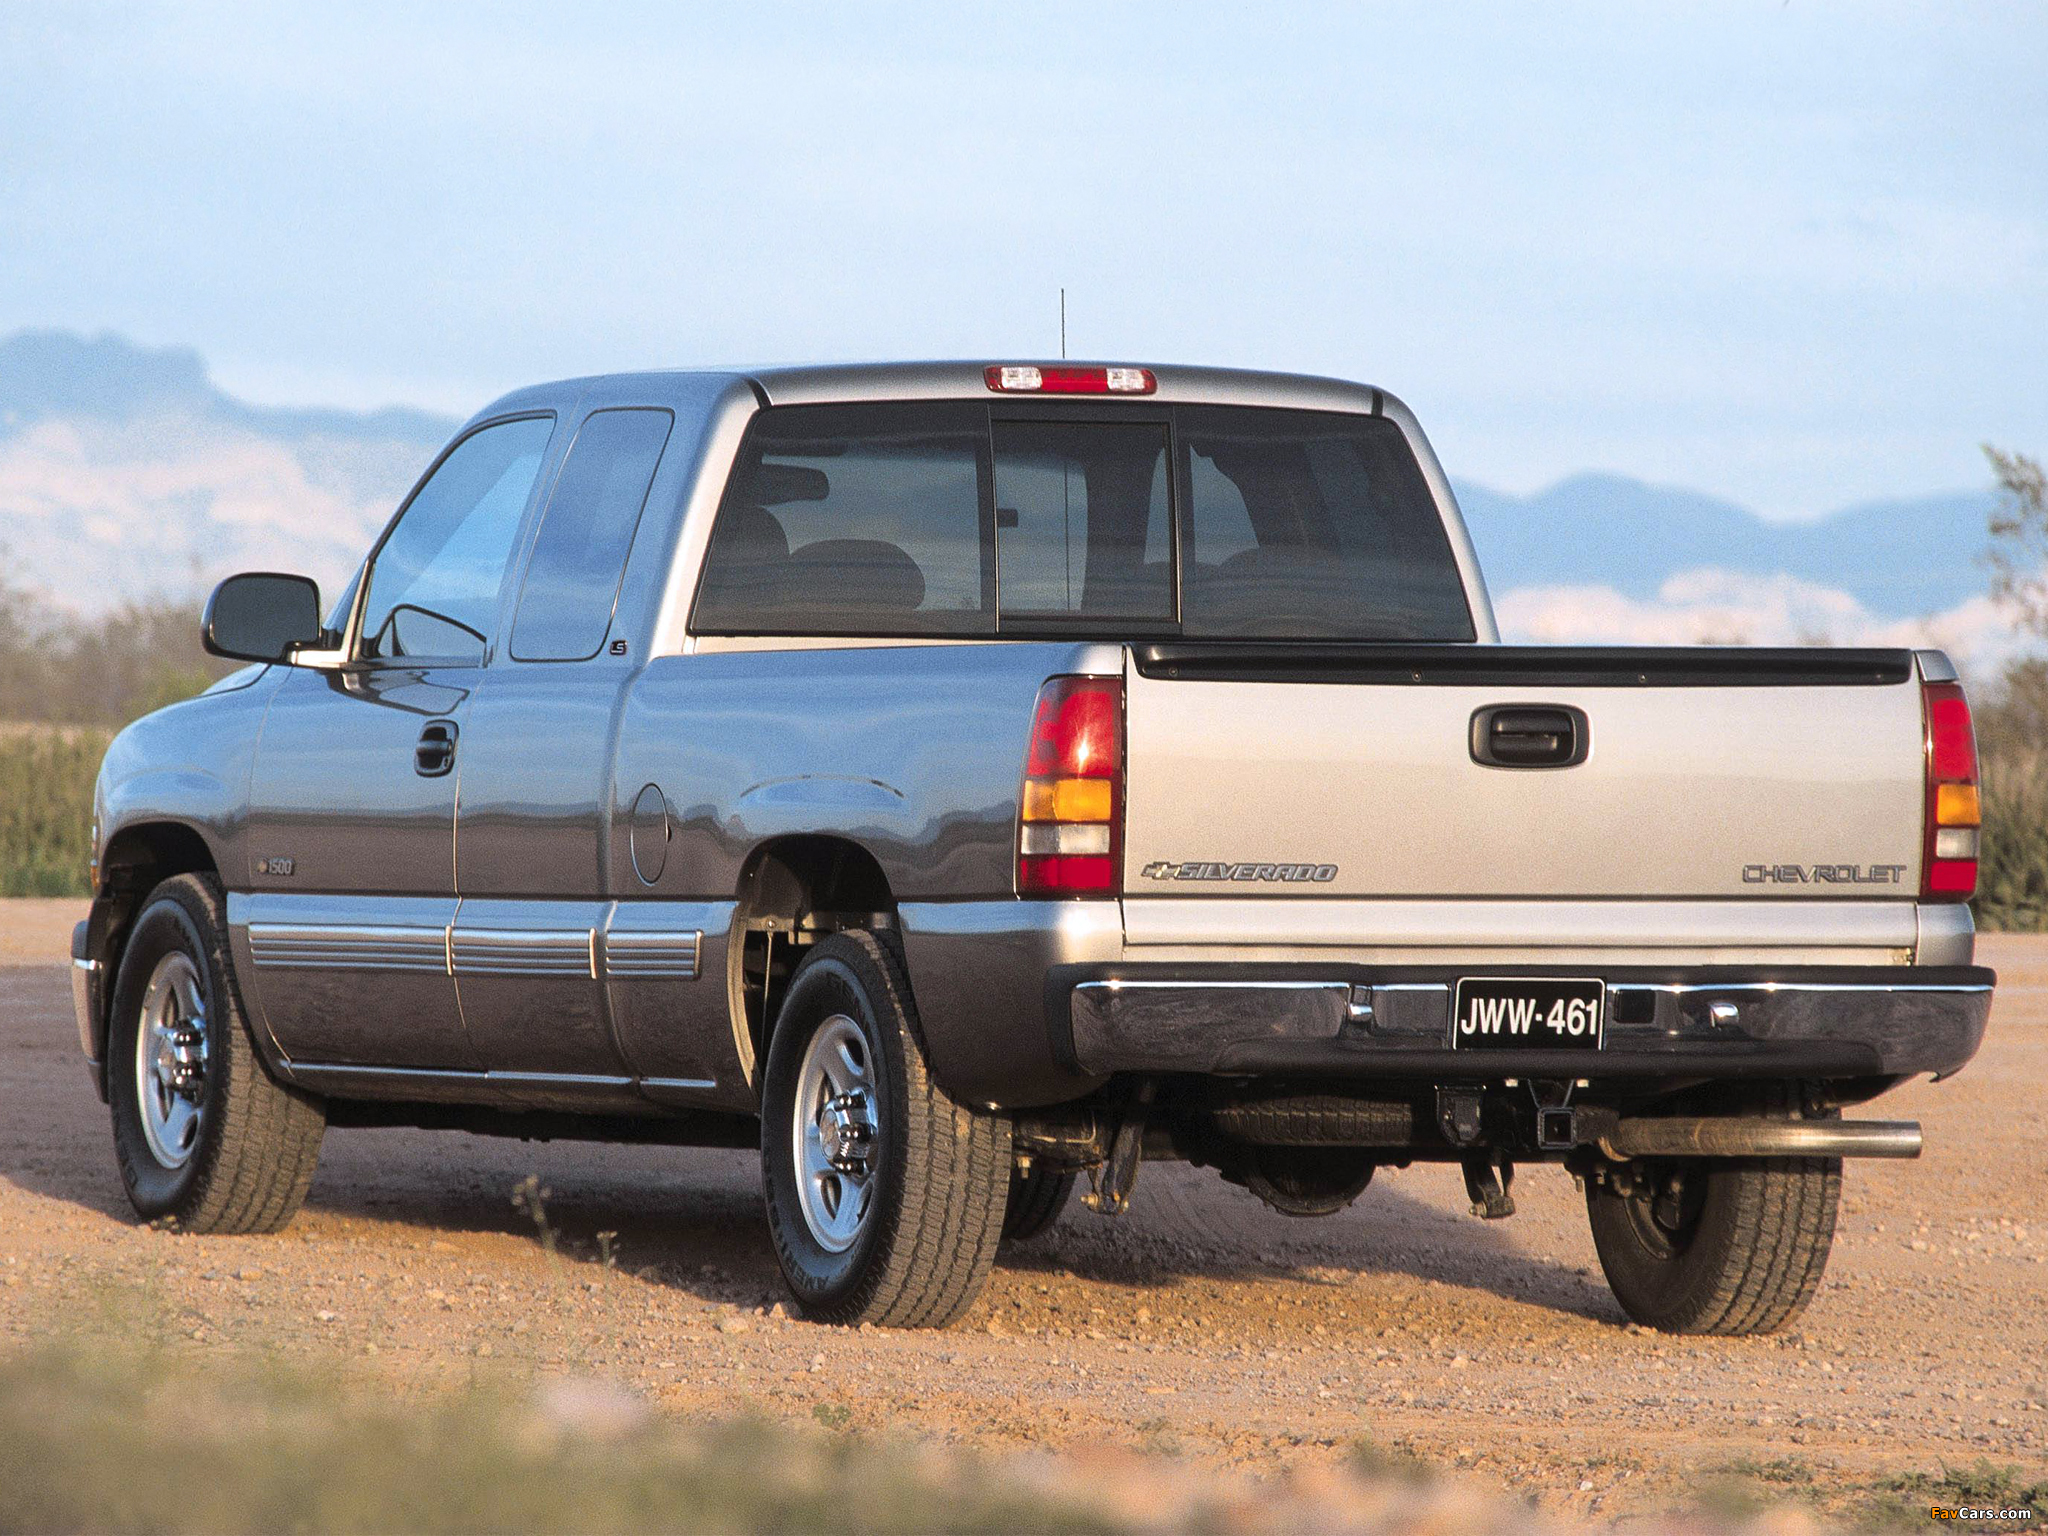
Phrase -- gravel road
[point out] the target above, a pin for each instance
(1199, 1324)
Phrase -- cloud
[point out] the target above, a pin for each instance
(1710, 606)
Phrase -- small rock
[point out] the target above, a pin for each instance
(323, 1315)
(249, 1274)
(1585, 1485)
(734, 1324)
(484, 1350)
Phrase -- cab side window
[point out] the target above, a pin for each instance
(579, 557)
(436, 580)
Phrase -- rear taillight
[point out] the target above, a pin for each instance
(1949, 860)
(1045, 379)
(1070, 811)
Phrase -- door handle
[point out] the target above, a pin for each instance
(1530, 736)
(435, 753)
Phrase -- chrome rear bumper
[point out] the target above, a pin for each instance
(1837, 1022)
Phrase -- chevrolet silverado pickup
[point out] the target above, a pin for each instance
(957, 780)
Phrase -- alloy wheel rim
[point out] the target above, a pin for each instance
(836, 1138)
(171, 1060)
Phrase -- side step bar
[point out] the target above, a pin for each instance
(1731, 1137)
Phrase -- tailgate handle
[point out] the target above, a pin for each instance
(1529, 736)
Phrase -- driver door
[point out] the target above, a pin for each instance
(351, 837)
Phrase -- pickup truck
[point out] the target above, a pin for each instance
(953, 780)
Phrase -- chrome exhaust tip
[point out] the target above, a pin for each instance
(1682, 1136)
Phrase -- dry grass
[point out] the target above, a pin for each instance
(46, 779)
(115, 1422)
(136, 1440)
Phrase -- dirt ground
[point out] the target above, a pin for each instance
(1199, 1325)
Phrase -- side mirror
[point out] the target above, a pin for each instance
(262, 616)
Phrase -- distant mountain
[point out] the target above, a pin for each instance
(46, 374)
(1899, 559)
(125, 472)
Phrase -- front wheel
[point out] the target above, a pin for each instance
(885, 1195)
(205, 1137)
(1727, 1246)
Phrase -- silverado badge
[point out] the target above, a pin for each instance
(1167, 869)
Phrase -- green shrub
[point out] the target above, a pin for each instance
(2012, 750)
(46, 779)
(2012, 872)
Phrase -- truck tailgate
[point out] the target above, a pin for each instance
(1264, 774)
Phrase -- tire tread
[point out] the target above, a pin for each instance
(265, 1144)
(1754, 1272)
(938, 1245)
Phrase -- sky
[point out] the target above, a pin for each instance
(1794, 254)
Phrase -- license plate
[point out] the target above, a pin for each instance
(1528, 1012)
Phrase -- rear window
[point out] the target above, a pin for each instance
(1311, 525)
(1082, 519)
(959, 518)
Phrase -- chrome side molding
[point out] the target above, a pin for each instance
(637, 954)
(522, 952)
(349, 947)
(449, 949)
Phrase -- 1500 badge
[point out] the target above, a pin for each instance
(1167, 869)
(1823, 874)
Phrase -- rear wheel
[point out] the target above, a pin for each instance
(1037, 1196)
(204, 1136)
(1714, 1245)
(885, 1195)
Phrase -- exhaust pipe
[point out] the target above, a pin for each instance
(1729, 1137)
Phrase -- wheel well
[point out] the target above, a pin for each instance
(792, 892)
(137, 859)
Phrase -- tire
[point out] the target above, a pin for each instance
(1739, 1249)
(1035, 1202)
(206, 1139)
(910, 1235)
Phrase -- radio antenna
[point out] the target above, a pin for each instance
(1063, 325)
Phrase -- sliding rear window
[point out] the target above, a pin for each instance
(958, 518)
